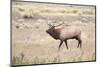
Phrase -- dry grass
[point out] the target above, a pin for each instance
(31, 10)
(32, 45)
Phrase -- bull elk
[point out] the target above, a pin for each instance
(65, 33)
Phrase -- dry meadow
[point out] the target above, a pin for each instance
(32, 45)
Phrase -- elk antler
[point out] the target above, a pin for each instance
(50, 25)
(60, 24)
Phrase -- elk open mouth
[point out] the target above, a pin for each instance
(47, 31)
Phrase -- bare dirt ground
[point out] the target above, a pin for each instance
(32, 45)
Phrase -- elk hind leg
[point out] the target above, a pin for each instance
(79, 43)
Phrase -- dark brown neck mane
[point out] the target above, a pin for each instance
(55, 33)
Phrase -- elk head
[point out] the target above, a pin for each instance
(52, 31)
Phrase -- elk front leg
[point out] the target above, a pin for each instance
(60, 44)
(66, 44)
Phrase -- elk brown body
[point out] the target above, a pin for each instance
(65, 33)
